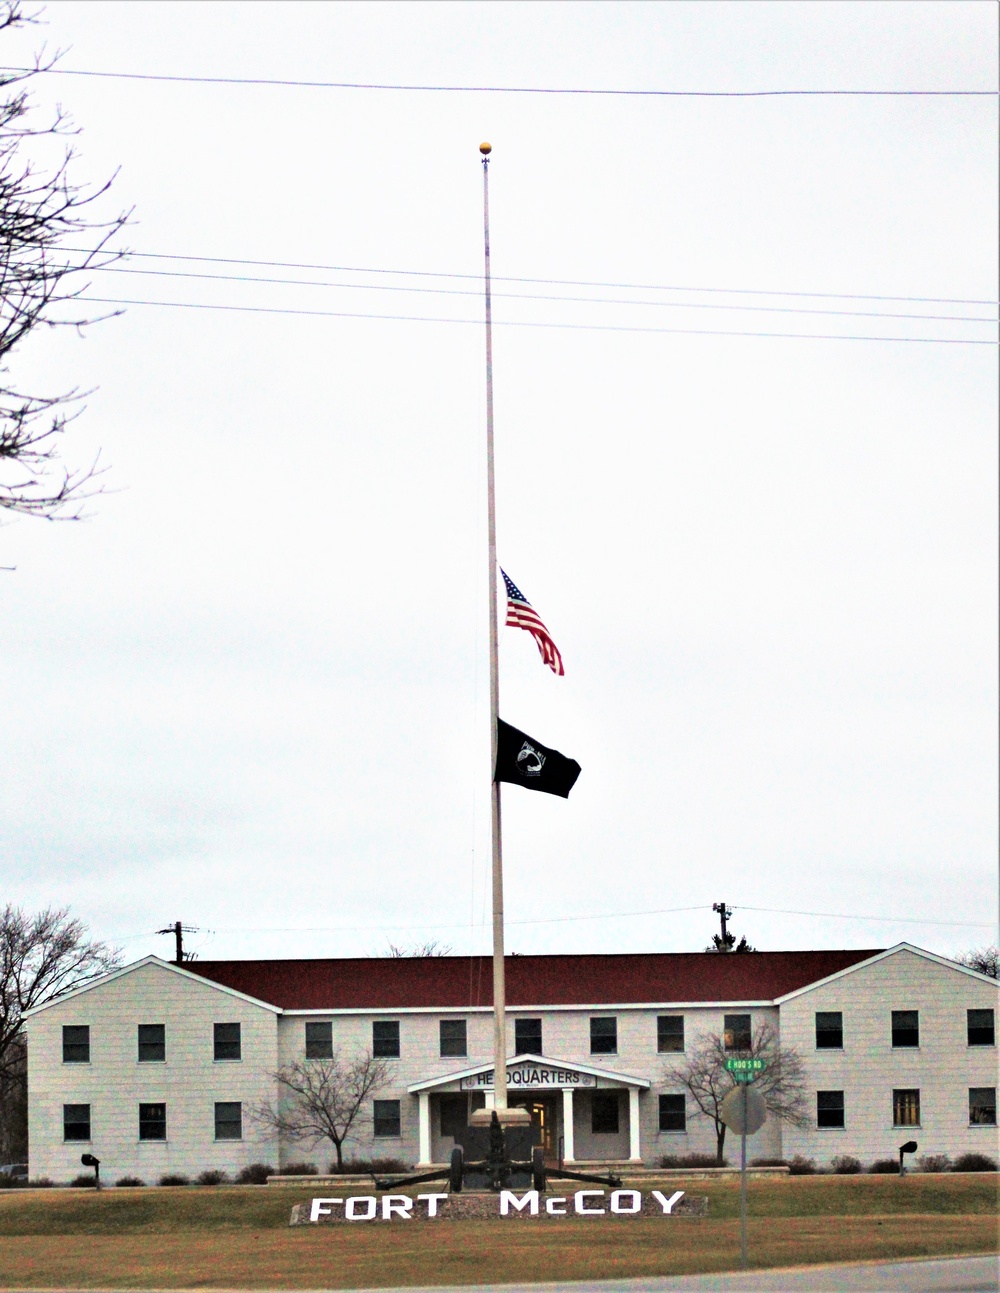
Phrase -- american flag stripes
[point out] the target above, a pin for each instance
(522, 615)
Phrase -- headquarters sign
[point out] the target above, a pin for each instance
(531, 1075)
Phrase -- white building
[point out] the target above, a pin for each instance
(157, 1068)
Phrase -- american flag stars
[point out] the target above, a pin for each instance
(522, 615)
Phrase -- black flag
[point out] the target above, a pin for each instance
(523, 761)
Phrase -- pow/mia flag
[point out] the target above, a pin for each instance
(525, 762)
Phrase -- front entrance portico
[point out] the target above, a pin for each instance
(579, 1111)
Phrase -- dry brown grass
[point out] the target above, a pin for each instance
(468, 1252)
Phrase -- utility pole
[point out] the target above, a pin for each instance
(178, 930)
(724, 914)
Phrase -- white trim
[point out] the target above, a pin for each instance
(881, 956)
(138, 965)
(546, 1061)
(533, 1010)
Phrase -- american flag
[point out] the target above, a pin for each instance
(522, 615)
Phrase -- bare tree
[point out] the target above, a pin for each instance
(323, 1099)
(50, 239)
(433, 947)
(41, 957)
(984, 959)
(14, 1104)
(704, 1077)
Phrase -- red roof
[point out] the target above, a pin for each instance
(397, 983)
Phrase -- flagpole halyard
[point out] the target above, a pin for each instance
(499, 978)
(499, 985)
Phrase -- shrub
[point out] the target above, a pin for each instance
(41, 1183)
(254, 1174)
(174, 1178)
(130, 1181)
(885, 1167)
(299, 1169)
(934, 1163)
(974, 1163)
(768, 1162)
(83, 1180)
(799, 1166)
(366, 1166)
(212, 1177)
(846, 1165)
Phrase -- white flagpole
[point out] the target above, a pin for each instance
(499, 983)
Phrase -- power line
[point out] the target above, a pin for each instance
(500, 89)
(523, 323)
(880, 920)
(549, 282)
(560, 920)
(535, 296)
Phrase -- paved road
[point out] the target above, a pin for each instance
(936, 1275)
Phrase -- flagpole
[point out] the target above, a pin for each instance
(499, 981)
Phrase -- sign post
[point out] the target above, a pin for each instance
(744, 1111)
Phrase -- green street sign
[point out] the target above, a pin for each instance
(744, 1069)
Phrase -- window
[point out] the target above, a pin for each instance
(76, 1046)
(669, 1033)
(386, 1117)
(152, 1043)
(385, 1043)
(906, 1028)
(454, 1114)
(604, 1036)
(982, 1030)
(527, 1037)
(736, 1032)
(453, 1037)
(604, 1113)
(829, 1030)
(982, 1106)
(906, 1108)
(152, 1122)
(673, 1116)
(319, 1042)
(76, 1122)
(829, 1108)
(228, 1120)
(227, 1042)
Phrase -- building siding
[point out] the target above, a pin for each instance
(867, 1070)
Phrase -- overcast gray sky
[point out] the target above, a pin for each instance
(250, 692)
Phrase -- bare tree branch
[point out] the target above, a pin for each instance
(41, 957)
(984, 959)
(704, 1077)
(432, 947)
(50, 241)
(323, 1099)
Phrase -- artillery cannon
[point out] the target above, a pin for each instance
(497, 1160)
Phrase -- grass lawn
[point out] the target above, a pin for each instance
(240, 1237)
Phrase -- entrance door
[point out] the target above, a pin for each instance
(543, 1110)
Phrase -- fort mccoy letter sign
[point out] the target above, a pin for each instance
(507, 1204)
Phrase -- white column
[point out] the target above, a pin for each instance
(568, 1152)
(424, 1118)
(633, 1125)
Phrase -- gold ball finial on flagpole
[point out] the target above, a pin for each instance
(485, 149)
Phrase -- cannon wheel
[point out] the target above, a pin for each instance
(538, 1168)
(455, 1170)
